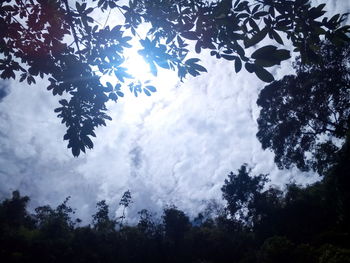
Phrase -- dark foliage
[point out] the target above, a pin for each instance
(305, 117)
(35, 35)
(241, 191)
(303, 224)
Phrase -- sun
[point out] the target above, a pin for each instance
(140, 70)
(136, 65)
(134, 107)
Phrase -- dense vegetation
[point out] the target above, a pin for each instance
(258, 224)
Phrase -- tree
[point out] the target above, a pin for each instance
(176, 223)
(241, 192)
(34, 44)
(125, 202)
(101, 221)
(146, 223)
(55, 223)
(305, 117)
(13, 211)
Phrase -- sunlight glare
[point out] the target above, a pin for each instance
(134, 108)
(136, 65)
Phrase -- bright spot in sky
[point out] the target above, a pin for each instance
(165, 81)
(136, 65)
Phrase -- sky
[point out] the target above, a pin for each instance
(175, 147)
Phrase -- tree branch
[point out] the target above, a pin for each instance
(72, 26)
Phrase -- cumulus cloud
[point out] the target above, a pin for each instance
(175, 147)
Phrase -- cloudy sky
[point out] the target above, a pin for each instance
(175, 147)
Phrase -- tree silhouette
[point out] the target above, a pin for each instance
(125, 202)
(35, 43)
(176, 223)
(55, 223)
(302, 224)
(101, 220)
(241, 192)
(13, 211)
(305, 117)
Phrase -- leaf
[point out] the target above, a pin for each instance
(113, 96)
(249, 67)
(255, 9)
(192, 60)
(199, 68)
(256, 38)
(87, 141)
(23, 77)
(315, 13)
(238, 65)
(193, 72)
(259, 14)
(241, 6)
(228, 57)
(254, 25)
(282, 54)
(264, 52)
(263, 74)
(266, 63)
(191, 35)
(78, 7)
(58, 109)
(240, 51)
(120, 94)
(151, 88)
(269, 56)
(109, 86)
(89, 10)
(7, 8)
(30, 80)
(121, 73)
(63, 102)
(153, 68)
(170, 38)
(277, 37)
(198, 47)
(163, 64)
(75, 151)
(146, 92)
(181, 42)
(107, 118)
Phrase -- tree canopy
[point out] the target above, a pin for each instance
(305, 118)
(35, 43)
(241, 191)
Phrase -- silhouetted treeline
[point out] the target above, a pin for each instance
(258, 224)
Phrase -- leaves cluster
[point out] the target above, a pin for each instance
(305, 118)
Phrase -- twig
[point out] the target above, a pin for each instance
(25, 8)
(109, 13)
(72, 26)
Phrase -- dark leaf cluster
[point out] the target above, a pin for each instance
(305, 118)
